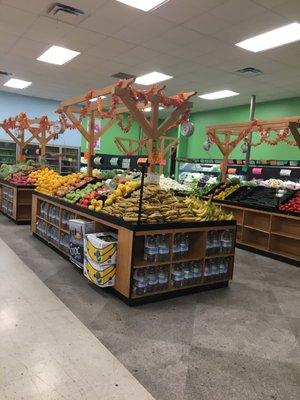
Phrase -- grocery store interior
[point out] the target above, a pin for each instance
(149, 200)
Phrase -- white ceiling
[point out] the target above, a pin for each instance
(193, 40)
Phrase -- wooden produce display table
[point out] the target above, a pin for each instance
(130, 250)
(274, 234)
(16, 201)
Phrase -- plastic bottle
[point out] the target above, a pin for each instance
(196, 272)
(152, 280)
(215, 268)
(216, 243)
(176, 247)
(162, 278)
(140, 282)
(207, 270)
(184, 245)
(188, 274)
(177, 276)
(150, 249)
(209, 243)
(226, 242)
(163, 248)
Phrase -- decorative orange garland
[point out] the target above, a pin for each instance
(139, 96)
(281, 136)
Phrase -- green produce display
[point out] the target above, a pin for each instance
(76, 195)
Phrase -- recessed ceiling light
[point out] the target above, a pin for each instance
(275, 38)
(58, 55)
(145, 5)
(148, 109)
(97, 98)
(17, 83)
(218, 95)
(151, 78)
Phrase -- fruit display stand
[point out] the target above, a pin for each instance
(15, 201)
(130, 247)
(274, 234)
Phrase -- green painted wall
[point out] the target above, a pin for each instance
(192, 147)
(273, 109)
(107, 141)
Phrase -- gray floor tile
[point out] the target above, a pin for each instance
(295, 326)
(289, 301)
(170, 320)
(160, 366)
(217, 375)
(240, 331)
(251, 296)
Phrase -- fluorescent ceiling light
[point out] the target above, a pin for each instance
(275, 38)
(58, 55)
(148, 109)
(152, 77)
(17, 83)
(145, 5)
(97, 98)
(218, 95)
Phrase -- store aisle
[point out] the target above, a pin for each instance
(238, 343)
(45, 351)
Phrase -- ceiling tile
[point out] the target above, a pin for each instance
(269, 3)
(110, 47)
(47, 30)
(177, 11)
(236, 10)
(6, 42)
(28, 48)
(181, 36)
(260, 24)
(289, 9)
(13, 20)
(205, 5)
(152, 25)
(33, 6)
(81, 39)
(137, 54)
(207, 24)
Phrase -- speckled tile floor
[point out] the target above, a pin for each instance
(237, 343)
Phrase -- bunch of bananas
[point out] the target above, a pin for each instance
(206, 210)
(226, 192)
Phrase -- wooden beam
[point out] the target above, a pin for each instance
(135, 111)
(294, 126)
(77, 123)
(81, 98)
(12, 136)
(168, 122)
(104, 129)
(129, 152)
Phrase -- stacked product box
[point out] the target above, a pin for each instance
(100, 251)
(78, 229)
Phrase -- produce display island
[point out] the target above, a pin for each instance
(16, 201)
(204, 267)
(275, 234)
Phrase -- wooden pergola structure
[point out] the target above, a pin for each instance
(77, 107)
(233, 134)
(35, 131)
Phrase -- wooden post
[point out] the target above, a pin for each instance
(91, 143)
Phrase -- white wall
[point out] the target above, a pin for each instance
(12, 104)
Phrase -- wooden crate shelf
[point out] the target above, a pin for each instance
(131, 246)
(17, 206)
(276, 234)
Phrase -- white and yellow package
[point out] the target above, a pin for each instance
(101, 275)
(101, 248)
